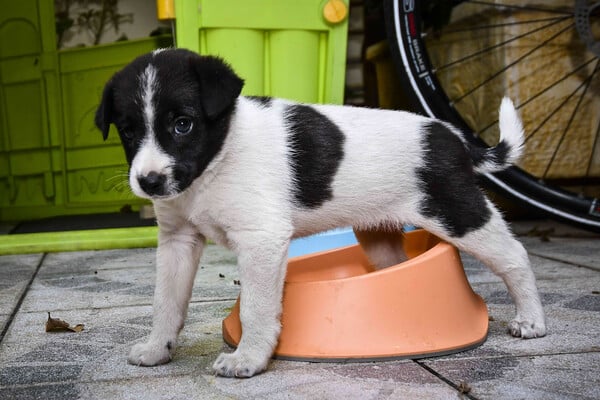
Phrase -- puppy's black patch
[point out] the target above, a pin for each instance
(498, 155)
(203, 89)
(316, 150)
(264, 101)
(450, 185)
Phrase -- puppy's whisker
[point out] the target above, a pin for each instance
(118, 178)
(119, 183)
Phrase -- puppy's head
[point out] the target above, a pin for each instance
(172, 110)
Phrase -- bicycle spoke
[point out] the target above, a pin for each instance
(492, 26)
(562, 103)
(541, 92)
(591, 160)
(563, 78)
(497, 45)
(526, 8)
(564, 134)
(518, 60)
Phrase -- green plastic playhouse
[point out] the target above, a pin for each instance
(53, 160)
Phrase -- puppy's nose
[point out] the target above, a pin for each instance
(153, 183)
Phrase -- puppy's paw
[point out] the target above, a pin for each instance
(527, 329)
(150, 353)
(239, 365)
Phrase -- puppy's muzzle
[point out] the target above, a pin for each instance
(153, 184)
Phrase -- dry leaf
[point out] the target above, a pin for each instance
(58, 325)
(464, 388)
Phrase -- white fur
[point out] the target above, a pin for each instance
(150, 157)
(242, 201)
(511, 129)
(511, 132)
(148, 86)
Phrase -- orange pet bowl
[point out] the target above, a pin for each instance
(337, 307)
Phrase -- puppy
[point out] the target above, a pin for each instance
(251, 173)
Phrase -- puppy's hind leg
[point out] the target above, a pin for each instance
(383, 248)
(494, 245)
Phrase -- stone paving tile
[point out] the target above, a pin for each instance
(52, 391)
(549, 228)
(584, 252)
(360, 390)
(299, 380)
(15, 274)
(545, 377)
(171, 387)
(558, 366)
(90, 261)
(101, 279)
(105, 329)
(111, 293)
(552, 270)
(572, 313)
(92, 364)
(3, 320)
(30, 358)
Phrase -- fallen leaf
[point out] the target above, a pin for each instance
(58, 325)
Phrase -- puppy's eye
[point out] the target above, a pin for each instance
(183, 125)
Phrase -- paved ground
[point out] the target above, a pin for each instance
(111, 291)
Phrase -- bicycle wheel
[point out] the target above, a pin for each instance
(458, 58)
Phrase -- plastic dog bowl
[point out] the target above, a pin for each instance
(322, 241)
(337, 307)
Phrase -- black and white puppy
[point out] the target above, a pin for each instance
(253, 173)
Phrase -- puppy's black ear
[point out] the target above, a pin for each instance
(219, 85)
(104, 112)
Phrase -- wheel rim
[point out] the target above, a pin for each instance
(577, 21)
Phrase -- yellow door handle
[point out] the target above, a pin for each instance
(335, 11)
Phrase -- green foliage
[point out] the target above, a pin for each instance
(94, 17)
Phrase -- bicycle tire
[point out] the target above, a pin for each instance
(412, 61)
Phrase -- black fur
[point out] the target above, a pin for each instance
(497, 154)
(316, 147)
(219, 85)
(450, 185)
(104, 112)
(203, 89)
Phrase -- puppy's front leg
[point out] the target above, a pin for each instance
(178, 255)
(262, 262)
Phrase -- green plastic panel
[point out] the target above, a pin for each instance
(95, 171)
(29, 150)
(282, 48)
(98, 239)
(52, 158)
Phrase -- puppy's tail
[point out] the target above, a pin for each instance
(509, 148)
